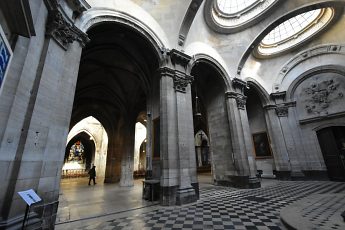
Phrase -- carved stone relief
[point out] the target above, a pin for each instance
(241, 102)
(60, 28)
(282, 111)
(181, 82)
(321, 95)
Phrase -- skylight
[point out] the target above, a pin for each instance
(230, 16)
(234, 6)
(294, 31)
(291, 27)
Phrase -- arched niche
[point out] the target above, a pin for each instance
(210, 114)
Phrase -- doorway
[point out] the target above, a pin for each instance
(332, 143)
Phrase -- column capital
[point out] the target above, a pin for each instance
(60, 27)
(282, 110)
(181, 80)
(240, 99)
(241, 102)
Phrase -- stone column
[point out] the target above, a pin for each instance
(177, 145)
(243, 150)
(46, 69)
(113, 162)
(149, 133)
(282, 111)
(280, 153)
(127, 159)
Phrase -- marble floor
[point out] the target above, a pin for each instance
(108, 206)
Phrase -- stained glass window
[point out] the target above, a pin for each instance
(76, 153)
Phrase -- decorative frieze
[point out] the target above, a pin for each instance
(60, 28)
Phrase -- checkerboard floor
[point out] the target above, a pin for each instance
(226, 208)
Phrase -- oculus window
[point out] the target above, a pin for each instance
(294, 32)
(229, 16)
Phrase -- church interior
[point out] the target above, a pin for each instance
(197, 114)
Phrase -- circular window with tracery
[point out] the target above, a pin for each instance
(228, 16)
(294, 31)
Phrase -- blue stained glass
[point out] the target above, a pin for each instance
(4, 58)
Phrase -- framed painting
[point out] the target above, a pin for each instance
(261, 145)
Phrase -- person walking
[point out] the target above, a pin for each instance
(92, 174)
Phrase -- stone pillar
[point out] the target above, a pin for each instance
(113, 162)
(280, 153)
(45, 71)
(149, 133)
(243, 150)
(177, 139)
(282, 110)
(127, 161)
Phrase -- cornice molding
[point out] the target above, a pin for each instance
(239, 84)
(78, 6)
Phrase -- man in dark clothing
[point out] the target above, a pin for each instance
(92, 174)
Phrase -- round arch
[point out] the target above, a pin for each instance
(103, 12)
(311, 72)
(264, 96)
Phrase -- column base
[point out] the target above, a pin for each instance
(316, 175)
(185, 196)
(111, 179)
(126, 183)
(196, 189)
(148, 175)
(240, 182)
(297, 175)
(168, 195)
(282, 175)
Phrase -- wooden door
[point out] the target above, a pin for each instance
(330, 140)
